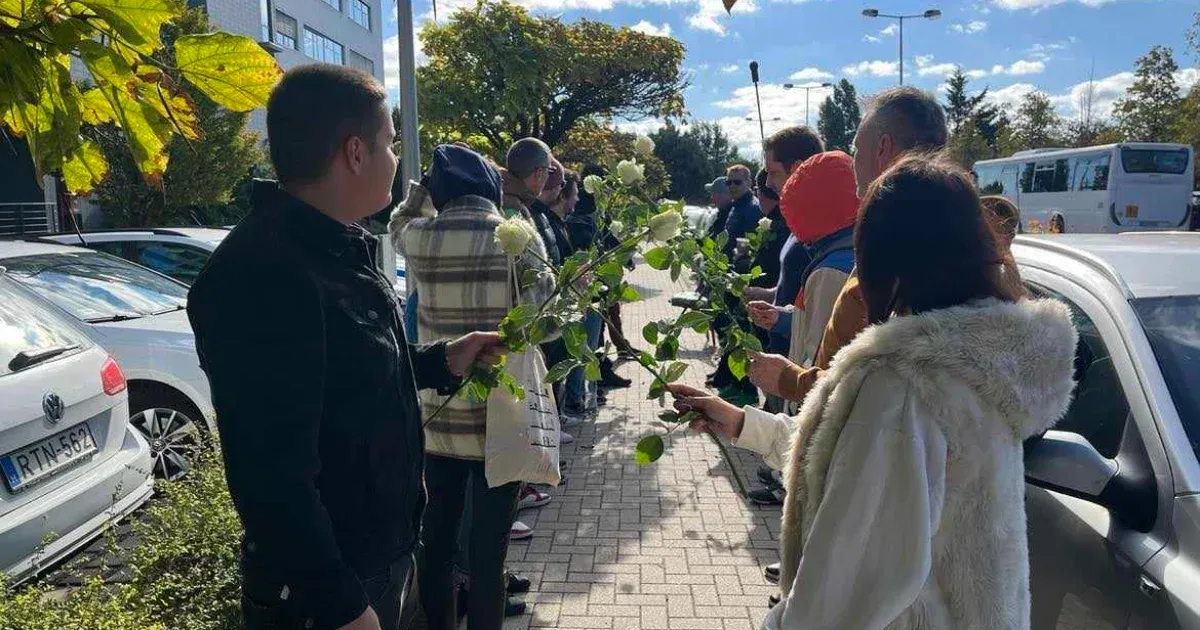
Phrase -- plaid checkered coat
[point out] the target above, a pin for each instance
(463, 285)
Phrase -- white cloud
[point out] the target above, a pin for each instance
(730, 69)
(876, 68)
(937, 70)
(871, 39)
(1009, 98)
(709, 16)
(1037, 5)
(890, 30)
(1022, 67)
(1043, 51)
(650, 29)
(923, 60)
(976, 74)
(1105, 92)
(810, 74)
(391, 59)
(974, 26)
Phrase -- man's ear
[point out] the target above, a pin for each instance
(885, 150)
(354, 150)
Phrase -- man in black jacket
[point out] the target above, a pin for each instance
(314, 385)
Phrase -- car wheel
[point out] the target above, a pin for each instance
(174, 437)
(1057, 225)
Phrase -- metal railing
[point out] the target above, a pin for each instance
(18, 220)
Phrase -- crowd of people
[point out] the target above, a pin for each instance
(903, 367)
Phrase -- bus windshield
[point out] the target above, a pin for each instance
(1170, 161)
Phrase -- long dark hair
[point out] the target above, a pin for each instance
(924, 242)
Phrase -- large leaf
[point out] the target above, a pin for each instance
(696, 320)
(95, 108)
(674, 372)
(574, 335)
(659, 258)
(649, 450)
(138, 22)
(85, 168)
(232, 70)
(650, 333)
(737, 363)
(560, 370)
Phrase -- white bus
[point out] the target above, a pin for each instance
(1122, 187)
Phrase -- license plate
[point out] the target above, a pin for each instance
(41, 460)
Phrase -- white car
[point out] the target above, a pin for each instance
(1113, 492)
(699, 218)
(176, 252)
(70, 462)
(140, 317)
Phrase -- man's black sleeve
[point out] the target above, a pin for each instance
(430, 368)
(261, 339)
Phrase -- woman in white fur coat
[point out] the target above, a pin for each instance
(904, 471)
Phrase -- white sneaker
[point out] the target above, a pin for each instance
(569, 419)
(531, 498)
(565, 438)
(520, 531)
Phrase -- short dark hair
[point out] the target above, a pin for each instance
(914, 118)
(793, 145)
(760, 182)
(528, 155)
(311, 113)
(923, 242)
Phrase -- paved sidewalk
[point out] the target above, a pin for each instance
(669, 545)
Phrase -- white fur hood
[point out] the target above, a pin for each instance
(1013, 356)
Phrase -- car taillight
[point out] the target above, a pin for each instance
(112, 377)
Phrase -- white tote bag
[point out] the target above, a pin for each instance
(521, 443)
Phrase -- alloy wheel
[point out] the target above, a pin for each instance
(174, 440)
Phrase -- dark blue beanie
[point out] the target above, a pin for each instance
(458, 171)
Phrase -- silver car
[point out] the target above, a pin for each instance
(70, 462)
(1113, 492)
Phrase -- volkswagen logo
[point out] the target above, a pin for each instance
(54, 407)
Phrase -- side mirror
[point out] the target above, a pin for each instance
(1068, 463)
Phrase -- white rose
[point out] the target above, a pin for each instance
(643, 146)
(616, 227)
(513, 236)
(592, 183)
(664, 226)
(764, 224)
(630, 172)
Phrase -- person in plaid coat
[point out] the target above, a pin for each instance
(464, 282)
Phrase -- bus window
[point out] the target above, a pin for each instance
(1008, 179)
(1171, 161)
(1092, 173)
(988, 180)
(1044, 178)
(1062, 173)
(1027, 178)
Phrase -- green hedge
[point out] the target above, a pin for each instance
(184, 569)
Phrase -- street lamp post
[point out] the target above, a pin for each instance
(930, 14)
(762, 136)
(807, 89)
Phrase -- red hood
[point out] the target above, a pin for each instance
(820, 197)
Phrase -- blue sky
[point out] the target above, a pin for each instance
(1010, 46)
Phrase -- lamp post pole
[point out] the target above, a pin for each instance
(807, 89)
(762, 136)
(410, 141)
(930, 14)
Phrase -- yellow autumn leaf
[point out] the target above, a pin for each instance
(138, 22)
(94, 108)
(232, 70)
(147, 131)
(178, 109)
(14, 12)
(85, 168)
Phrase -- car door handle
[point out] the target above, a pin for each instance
(1148, 587)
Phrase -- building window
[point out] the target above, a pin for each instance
(322, 48)
(264, 16)
(285, 30)
(360, 12)
(337, 4)
(362, 63)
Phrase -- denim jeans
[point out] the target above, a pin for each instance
(493, 509)
(576, 390)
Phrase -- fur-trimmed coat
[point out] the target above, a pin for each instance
(905, 474)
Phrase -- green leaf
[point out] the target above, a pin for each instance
(85, 168)
(591, 371)
(737, 363)
(657, 390)
(670, 416)
(611, 272)
(751, 342)
(674, 372)
(574, 335)
(668, 349)
(649, 450)
(645, 359)
(695, 320)
(138, 22)
(630, 294)
(676, 270)
(560, 370)
(659, 258)
(510, 384)
(650, 333)
(542, 329)
(232, 70)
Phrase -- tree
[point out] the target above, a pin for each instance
(136, 94)
(200, 173)
(1037, 125)
(960, 105)
(695, 156)
(499, 72)
(600, 143)
(1188, 125)
(839, 116)
(1150, 108)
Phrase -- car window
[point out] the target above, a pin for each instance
(116, 248)
(182, 262)
(97, 287)
(1172, 325)
(1098, 409)
(29, 329)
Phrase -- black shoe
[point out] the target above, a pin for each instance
(766, 474)
(609, 377)
(767, 496)
(772, 601)
(514, 607)
(517, 584)
(601, 400)
(771, 572)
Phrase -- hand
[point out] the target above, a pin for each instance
(477, 346)
(720, 416)
(365, 621)
(763, 315)
(765, 369)
(758, 294)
